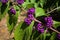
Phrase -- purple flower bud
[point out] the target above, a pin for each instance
(13, 11)
(31, 11)
(4, 1)
(49, 21)
(58, 36)
(20, 1)
(27, 21)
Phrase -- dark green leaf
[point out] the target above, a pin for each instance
(4, 10)
(56, 24)
(53, 36)
(44, 34)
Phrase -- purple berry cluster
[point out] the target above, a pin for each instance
(40, 28)
(12, 10)
(20, 1)
(4, 1)
(49, 21)
(30, 16)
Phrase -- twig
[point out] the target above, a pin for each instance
(49, 28)
(53, 10)
(55, 30)
(37, 20)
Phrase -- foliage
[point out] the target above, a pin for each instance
(26, 32)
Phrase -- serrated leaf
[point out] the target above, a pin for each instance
(39, 12)
(56, 24)
(19, 33)
(28, 31)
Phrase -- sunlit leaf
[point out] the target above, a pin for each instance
(32, 1)
(28, 31)
(19, 33)
(39, 12)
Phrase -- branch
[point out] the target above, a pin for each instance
(53, 10)
(49, 28)
(55, 30)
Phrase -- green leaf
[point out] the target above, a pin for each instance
(17, 10)
(35, 5)
(48, 34)
(39, 12)
(56, 24)
(10, 27)
(28, 5)
(28, 31)
(25, 4)
(12, 20)
(32, 1)
(44, 34)
(53, 36)
(0, 4)
(41, 36)
(19, 33)
(27, 1)
(42, 2)
(4, 10)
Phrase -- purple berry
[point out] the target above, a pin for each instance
(49, 21)
(40, 28)
(20, 1)
(27, 21)
(31, 11)
(58, 36)
(31, 16)
(4, 1)
(13, 11)
(39, 25)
